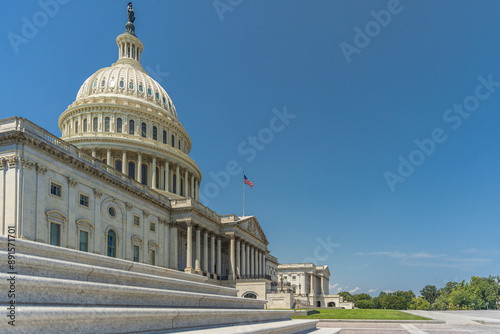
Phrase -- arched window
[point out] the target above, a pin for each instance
(131, 127)
(179, 144)
(144, 169)
(111, 243)
(106, 124)
(250, 295)
(155, 133)
(118, 165)
(85, 125)
(119, 124)
(164, 137)
(174, 183)
(173, 141)
(144, 131)
(131, 170)
(76, 126)
(96, 122)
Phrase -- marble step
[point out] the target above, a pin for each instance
(61, 253)
(75, 320)
(53, 291)
(45, 267)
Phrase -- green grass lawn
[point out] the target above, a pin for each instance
(361, 314)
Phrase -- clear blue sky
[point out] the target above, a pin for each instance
(320, 177)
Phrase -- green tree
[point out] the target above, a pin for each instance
(441, 303)
(450, 286)
(399, 300)
(346, 295)
(365, 304)
(430, 293)
(485, 290)
(461, 297)
(361, 296)
(419, 303)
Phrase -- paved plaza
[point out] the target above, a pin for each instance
(456, 322)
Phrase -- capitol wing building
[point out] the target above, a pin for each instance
(119, 191)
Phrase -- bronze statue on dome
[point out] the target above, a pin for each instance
(131, 18)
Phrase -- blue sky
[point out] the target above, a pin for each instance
(321, 191)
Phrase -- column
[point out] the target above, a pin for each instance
(138, 175)
(178, 181)
(174, 263)
(259, 261)
(205, 251)
(247, 260)
(197, 267)
(94, 152)
(243, 262)
(231, 258)
(238, 258)
(186, 183)
(189, 251)
(212, 254)
(311, 281)
(196, 190)
(167, 179)
(192, 186)
(108, 157)
(153, 173)
(166, 247)
(219, 257)
(256, 262)
(124, 162)
(322, 285)
(264, 265)
(252, 267)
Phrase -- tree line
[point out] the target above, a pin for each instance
(480, 293)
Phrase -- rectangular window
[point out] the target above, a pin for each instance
(152, 257)
(84, 200)
(55, 189)
(294, 277)
(84, 241)
(136, 253)
(152, 226)
(55, 234)
(137, 221)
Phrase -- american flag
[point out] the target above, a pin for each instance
(247, 181)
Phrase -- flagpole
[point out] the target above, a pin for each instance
(243, 194)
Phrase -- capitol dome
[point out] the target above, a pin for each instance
(125, 119)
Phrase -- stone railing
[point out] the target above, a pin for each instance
(23, 125)
(191, 202)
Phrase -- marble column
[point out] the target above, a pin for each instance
(192, 187)
(311, 288)
(94, 153)
(322, 289)
(177, 180)
(174, 263)
(167, 176)
(212, 254)
(205, 251)
(189, 251)
(231, 258)
(243, 256)
(153, 173)
(219, 257)
(252, 261)
(108, 158)
(196, 190)
(238, 258)
(166, 247)
(247, 260)
(197, 261)
(139, 168)
(256, 261)
(124, 163)
(186, 183)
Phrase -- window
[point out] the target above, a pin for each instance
(182, 187)
(112, 211)
(131, 127)
(85, 125)
(164, 100)
(173, 141)
(179, 144)
(144, 129)
(118, 165)
(112, 82)
(122, 84)
(131, 170)
(155, 133)
(144, 169)
(84, 241)
(136, 253)
(55, 189)
(131, 85)
(149, 91)
(137, 220)
(55, 234)
(119, 123)
(76, 126)
(95, 84)
(250, 295)
(164, 137)
(157, 96)
(84, 200)
(141, 89)
(106, 124)
(95, 124)
(294, 277)
(174, 182)
(152, 257)
(103, 83)
(157, 178)
(111, 243)
(152, 227)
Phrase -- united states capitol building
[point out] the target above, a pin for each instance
(113, 205)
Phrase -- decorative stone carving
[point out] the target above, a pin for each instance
(72, 182)
(128, 206)
(12, 161)
(145, 213)
(3, 163)
(27, 163)
(97, 193)
(41, 169)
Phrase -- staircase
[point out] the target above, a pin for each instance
(60, 290)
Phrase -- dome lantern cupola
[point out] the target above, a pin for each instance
(129, 46)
